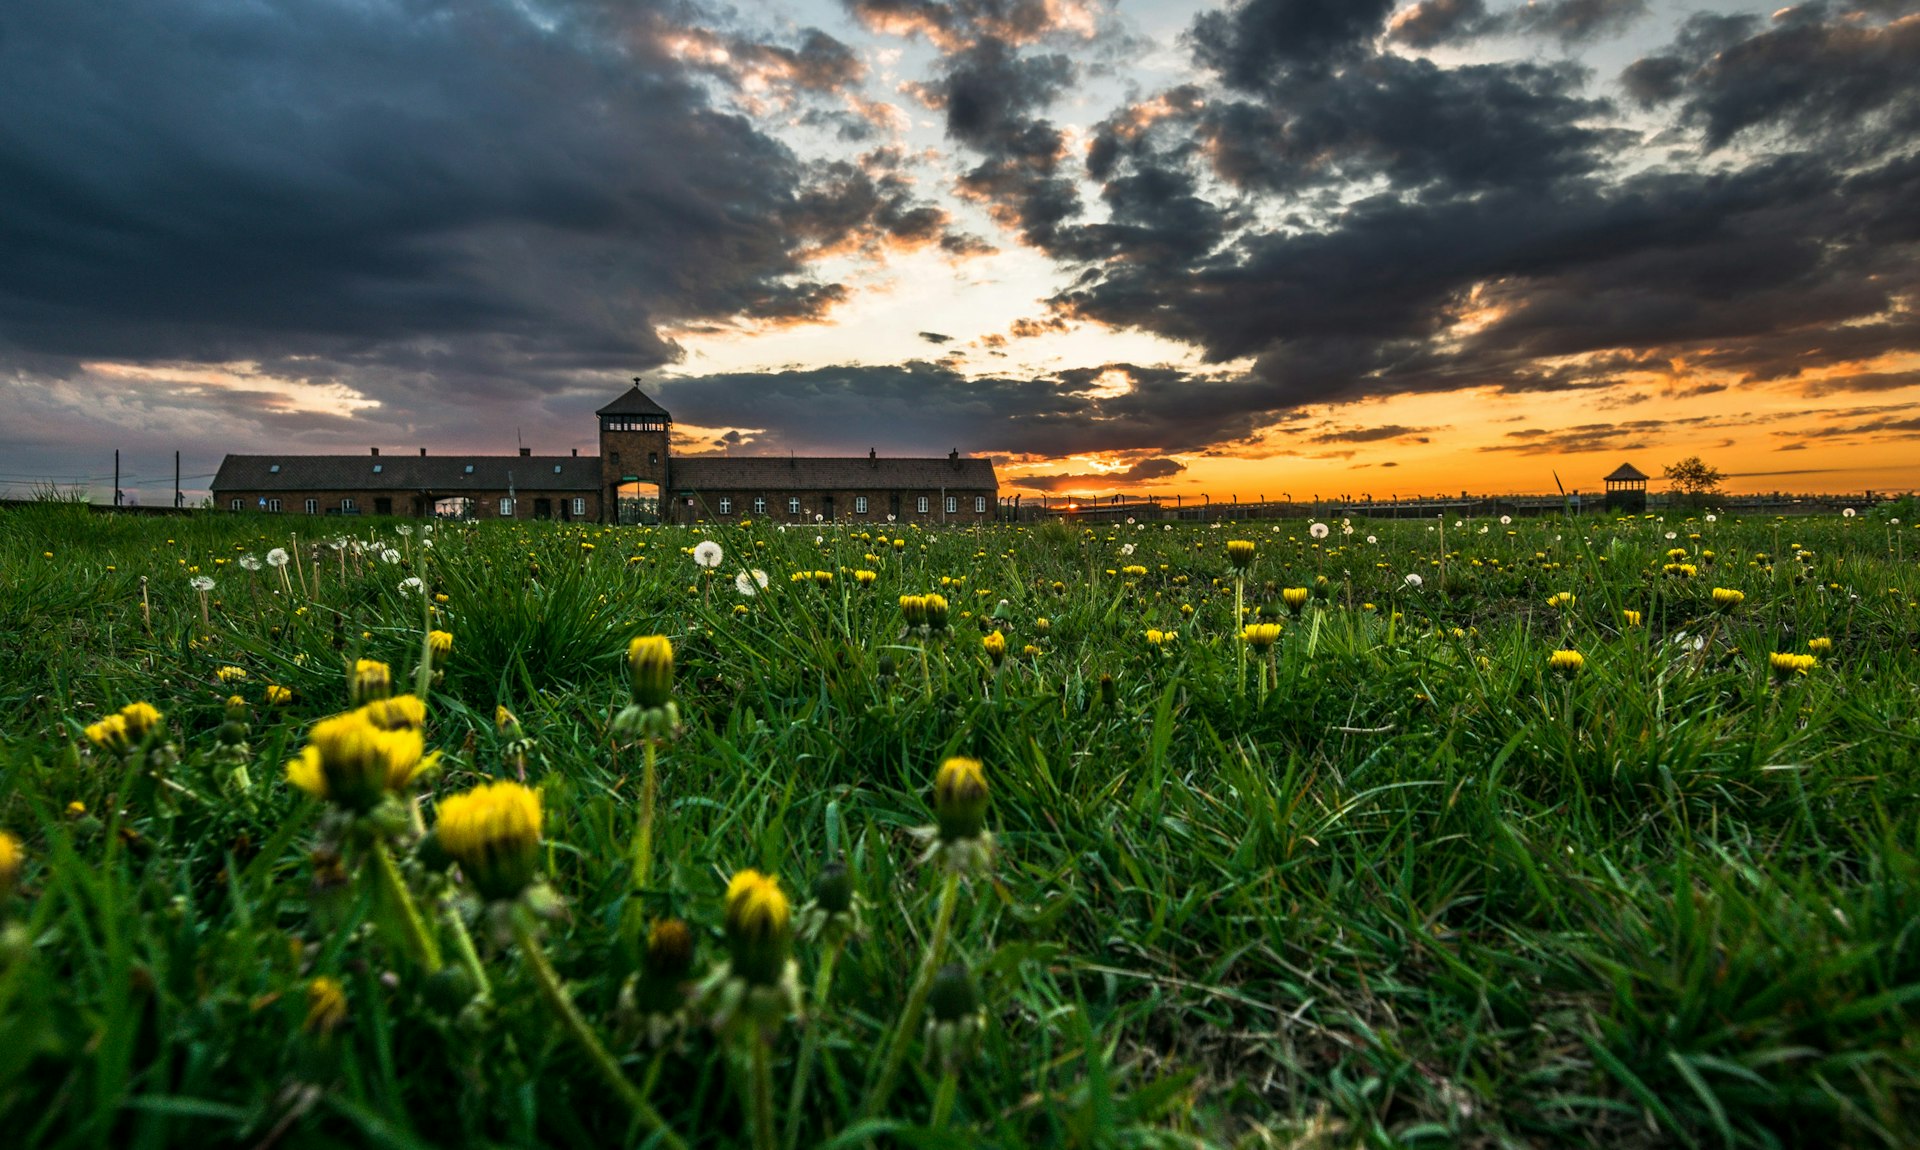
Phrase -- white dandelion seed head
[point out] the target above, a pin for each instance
(411, 585)
(1712, 518)
(1849, 513)
(201, 583)
(389, 556)
(250, 562)
(819, 539)
(1129, 521)
(1373, 539)
(1505, 520)
(1346, 529)
(1414, 580)
(1672, 535)
(1483, 529)
(403, 529)
(1126, 549)
(707, 553)
(743, 583)
(760, 577)
(1319, 530)
(277, 557)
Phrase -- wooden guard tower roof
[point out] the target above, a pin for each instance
(1626, 473)
(634, 402)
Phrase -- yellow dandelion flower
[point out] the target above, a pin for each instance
(960, 799)
(397, 713)
(353, 763)
(1566, 662)
(1786, 666)
(1261, 636)
(493, 832)
(650, 665)
(1726, 598)
(13, 859)
(1240, 552)
(326, 1006)
(759, 927)
(1820, 645)
(371, 679)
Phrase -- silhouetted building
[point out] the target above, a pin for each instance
(634, 479)
(1626, 490)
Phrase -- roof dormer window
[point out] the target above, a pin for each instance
(377, 467)
(556, 469)
(275, 469)
(469, 469)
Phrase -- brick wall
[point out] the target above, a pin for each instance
(410, 505)
(880, 504)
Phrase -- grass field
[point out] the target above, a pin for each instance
(1404, 876)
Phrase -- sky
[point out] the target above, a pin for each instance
(1266, 248)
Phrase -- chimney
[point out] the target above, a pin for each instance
(953, 457)
(376, 451)
(576, 453)
(423, 453)
(526, 451)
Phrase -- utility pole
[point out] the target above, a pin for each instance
(116, 477)
(178, 499)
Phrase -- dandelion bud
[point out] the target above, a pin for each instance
(326, 1007)
(12, 859)
(1322, 589)
(1820, 646)
(141, 720)
(110, 734)
(399, 713)
(1240, 553)
(937, 612)
(506, 724)
(1109, 694)
(864, 577)
(833, 890)
(439, 646)
(960, 799)
(669, 956)
(1726, 598)
(884, 667)
(353, 764)
(1786, 666)
(952, 997)
(1295, 598)
(371, 680)
(1566, 663)
(1043, 624)
(759, 927)
(995, 645)
(1261, 636)
(650, 664)
(914, 608)
(493, 832)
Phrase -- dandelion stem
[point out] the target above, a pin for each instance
(916, 999)
(576, 1026)
(643, 837)
(419, 939)
(1239, 628)
(810, 1043)
(943, 1100)
(762, 1090)
(469, 957)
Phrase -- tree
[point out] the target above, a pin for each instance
(1694, 477)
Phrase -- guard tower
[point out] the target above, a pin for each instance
(634, 432)
(1626, 490)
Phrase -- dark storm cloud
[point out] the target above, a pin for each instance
(1250, 42)
(926, 408)
(1144, 473)
(1810, 71)
(443, 201)
(1431, 23)
(1372, 434)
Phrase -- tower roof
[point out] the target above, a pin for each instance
(634, 402)
(1625, 471)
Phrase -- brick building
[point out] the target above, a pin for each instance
(634, 479)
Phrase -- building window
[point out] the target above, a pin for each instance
(233, 505)
(579, 505)
(793, 505)
(273, 505)
(979, 505)
(556, 469)
(759, 505)
(377, 467)
(506, 508)
(859, 505)
(313, 507)
(653, 459)
(920, 505)
(726, 506)
(346, 505)
(469, 469)
(275, 469)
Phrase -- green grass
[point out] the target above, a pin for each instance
(1408, 888)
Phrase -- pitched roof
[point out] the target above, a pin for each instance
(775, 473)
(634, 402)
(440, 473)
(1625, 471)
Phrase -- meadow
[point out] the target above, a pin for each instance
(1565, 831)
